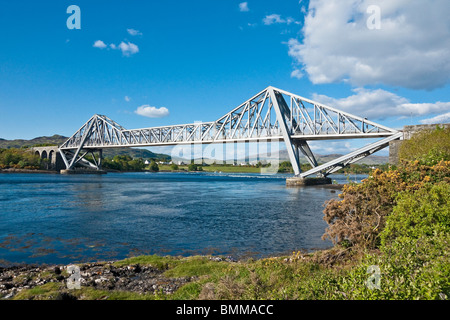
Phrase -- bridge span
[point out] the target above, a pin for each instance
(270, 115)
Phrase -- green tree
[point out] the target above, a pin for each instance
(285, 166)
(136, 165)
(20, 158)
(195, 167)
(154, 166)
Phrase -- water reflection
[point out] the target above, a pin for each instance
(89, 196)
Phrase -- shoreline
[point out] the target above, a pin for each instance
(13, 170)
(136, 277)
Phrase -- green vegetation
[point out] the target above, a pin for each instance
(135, 154)
(195, 167)
(427, 148)
(396, 221)
(153, 166)
(54, 140)
(423, 213)
(20, 159)
(57, 140)
(285, 166)
(123, 163)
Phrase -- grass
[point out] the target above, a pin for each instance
(332, 274)
(161, 263)
(271, 278)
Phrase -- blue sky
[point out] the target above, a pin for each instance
(199, 59)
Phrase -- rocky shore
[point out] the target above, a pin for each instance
(102, 276)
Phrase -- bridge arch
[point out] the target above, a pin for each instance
(52, 154)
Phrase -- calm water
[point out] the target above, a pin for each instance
(49, 218)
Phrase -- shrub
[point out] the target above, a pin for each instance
(409, 268)
(428, 147)
(360, 216)
(421, 213)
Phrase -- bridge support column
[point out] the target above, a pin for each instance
(301, 182)
(72, 159)
(304, 148)
(235, 152)
(283, 113)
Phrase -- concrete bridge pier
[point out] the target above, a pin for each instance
(300, 182)
(82, 171)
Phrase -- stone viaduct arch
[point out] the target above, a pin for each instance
(55, 162)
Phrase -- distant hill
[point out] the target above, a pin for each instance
(370, 160)
(19, 143)
(57, 140)
(135, 153)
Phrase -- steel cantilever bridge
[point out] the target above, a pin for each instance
(270, 115)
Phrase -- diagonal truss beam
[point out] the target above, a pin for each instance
(341, 162)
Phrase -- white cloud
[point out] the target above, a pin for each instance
(381, 104)
(128, 48)
(331, 147)
(443, 118)
(127, 99)
(411, 49)
(99, 44)
(273, 18)
(243, 7)
(276, 18)
(152, 112)
(297, 74)
(134, 32)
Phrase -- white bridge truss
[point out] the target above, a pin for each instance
(271, 115)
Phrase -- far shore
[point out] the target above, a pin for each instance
(13, 170)
(36, 171)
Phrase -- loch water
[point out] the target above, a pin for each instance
(62, 219)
